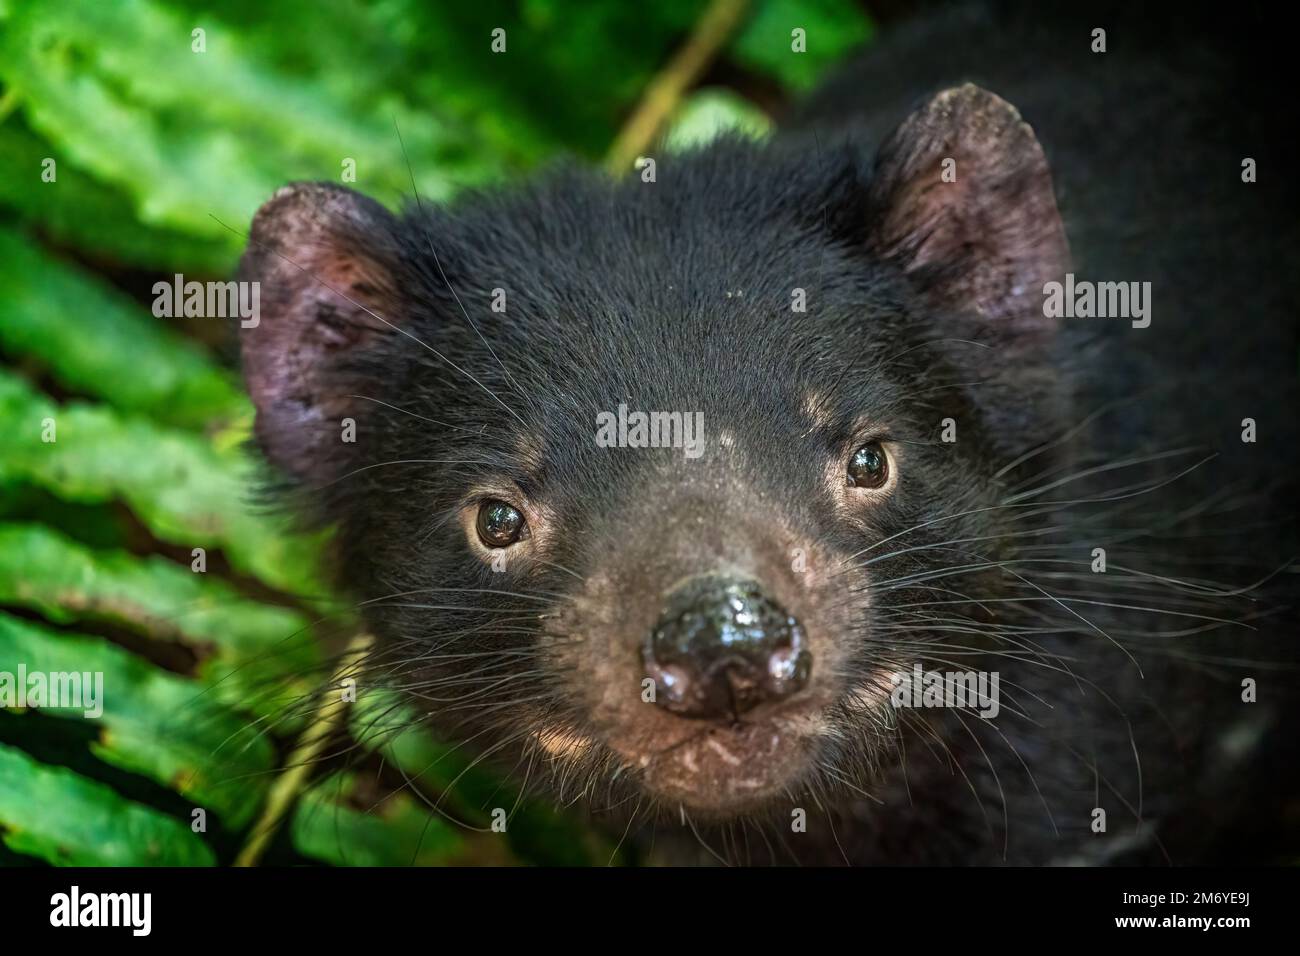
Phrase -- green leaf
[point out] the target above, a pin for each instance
(570, 74)
(80, 211)
(242, 646)
(200, 151)
(151, 722)
(832, 29)
(59, 816)
(709, 113)
(393, 831)
(98, 342)
(99, 526)
(185, 490)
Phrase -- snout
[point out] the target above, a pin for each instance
(723, 646)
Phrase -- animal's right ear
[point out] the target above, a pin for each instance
(326, 261)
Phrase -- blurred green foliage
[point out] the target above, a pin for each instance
(132, 148)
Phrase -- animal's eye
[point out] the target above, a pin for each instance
(499, 525)
(868, 467)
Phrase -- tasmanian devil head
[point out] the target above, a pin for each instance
(645, 475)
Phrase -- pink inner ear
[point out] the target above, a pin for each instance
(987, 239)
(313, 249)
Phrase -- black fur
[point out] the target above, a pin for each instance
(1120, 690)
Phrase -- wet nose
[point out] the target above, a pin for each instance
(722, 647)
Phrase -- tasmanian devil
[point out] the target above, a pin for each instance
(912, 487)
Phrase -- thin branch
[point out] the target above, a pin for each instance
(289, 785)
(665, 91)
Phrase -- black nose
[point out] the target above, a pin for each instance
(723, 647)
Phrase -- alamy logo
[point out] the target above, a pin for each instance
(624, 429)
(974, 690)
(1098, 300)
(72, 690)
(133, 910)
(208, 300)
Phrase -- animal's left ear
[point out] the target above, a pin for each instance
(962, 198)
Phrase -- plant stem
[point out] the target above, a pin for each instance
(290, 784)
(665, 91)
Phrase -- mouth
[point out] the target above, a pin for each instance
(719, 769)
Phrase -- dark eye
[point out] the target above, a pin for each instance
(869, 466)
(499, 525)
